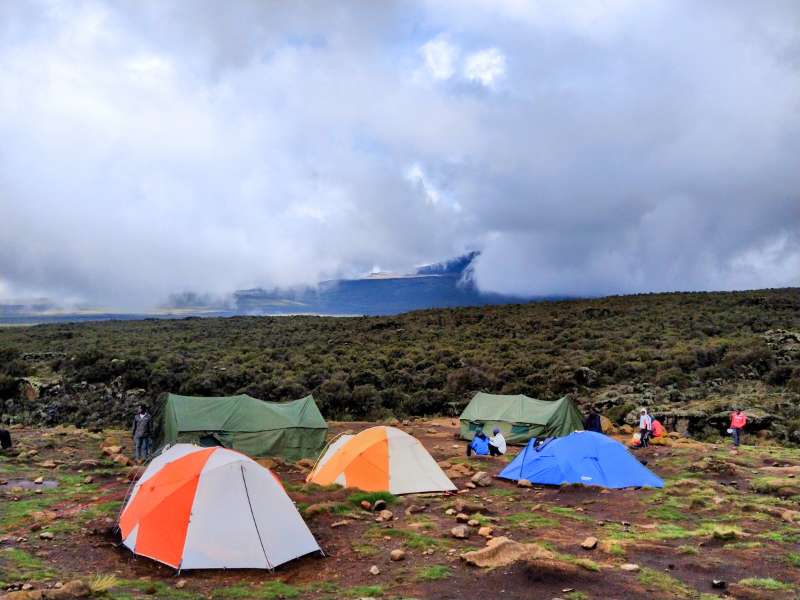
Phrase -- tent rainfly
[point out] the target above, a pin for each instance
(212, 508)
(519, 417)
(380, 459)
(584, 457)
(292, 430)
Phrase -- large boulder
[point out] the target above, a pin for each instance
(502, 551)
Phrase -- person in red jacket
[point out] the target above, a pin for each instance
(738, 421)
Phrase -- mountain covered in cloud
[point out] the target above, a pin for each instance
(441, 285)
(446, 284)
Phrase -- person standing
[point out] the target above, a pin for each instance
(141, 433)
(497, 443)
(738, 421)
(645, 427)
(593, 422)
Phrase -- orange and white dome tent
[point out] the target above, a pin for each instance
(212, 508)
(380, 459)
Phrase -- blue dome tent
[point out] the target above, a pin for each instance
(582, 457)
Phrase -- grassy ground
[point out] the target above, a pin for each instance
(737, 526)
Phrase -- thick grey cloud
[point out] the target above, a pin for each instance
(585, 147)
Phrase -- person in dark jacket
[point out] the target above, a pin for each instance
(142, 430)
(592, 422)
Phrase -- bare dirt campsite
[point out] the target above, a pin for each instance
(725, 520)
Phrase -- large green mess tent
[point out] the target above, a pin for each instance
(291, 430)
(519, 417)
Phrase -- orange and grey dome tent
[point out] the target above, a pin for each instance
(211, 508)
(380, 459)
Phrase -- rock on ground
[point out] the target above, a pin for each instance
(502, 551)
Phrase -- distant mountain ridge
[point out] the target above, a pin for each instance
(447, 284)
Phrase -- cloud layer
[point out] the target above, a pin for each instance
(151, 147)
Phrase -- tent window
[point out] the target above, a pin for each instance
(473, 426)
(520, 429)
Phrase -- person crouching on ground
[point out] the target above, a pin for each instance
(645, 427)
(497, 443)
(738, 421)
(479, 444)
(141, 433)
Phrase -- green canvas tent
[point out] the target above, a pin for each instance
(519, 418)
(291, 430)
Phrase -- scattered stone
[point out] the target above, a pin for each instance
(486, 531)
(374, 570)
(180, 584)
(304, 464)
(524, 483)
(450, 512)
(536, 507)
(385, 515)
(134, 473)
(460, 532)
(379, 505)
(39, 480)
(47, 464)
(366, 505)
(416, 508)
(482, 479)
(397, 554)
(631, 567)
(122, 460)
(267, 463)
(38, 491)
(340, 523)
(470, 485)
(590, 543)
(111, 450)
(89, 463)
(473, 523)
(719, 584)
(88, 479)
(444, 465)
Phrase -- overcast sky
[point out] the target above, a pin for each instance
(151, 147)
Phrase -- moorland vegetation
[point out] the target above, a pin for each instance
(691, 356)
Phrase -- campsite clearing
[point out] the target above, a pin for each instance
(706, 524)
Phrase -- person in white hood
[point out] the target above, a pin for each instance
(497, 443)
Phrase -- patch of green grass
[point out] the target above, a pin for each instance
(793, 558)
(688, 550)
(365, 549)
(22, 566)
(743, 545)
(434, 573)
(576, 595)
(569, 512)
(786, 535)
(586, 563)
(364, 591)
(530, 520)
(502, 492)
(613, 547)
(664, 583)
(160, 590)
(411, 539)
(765, 583)
(358, 497)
